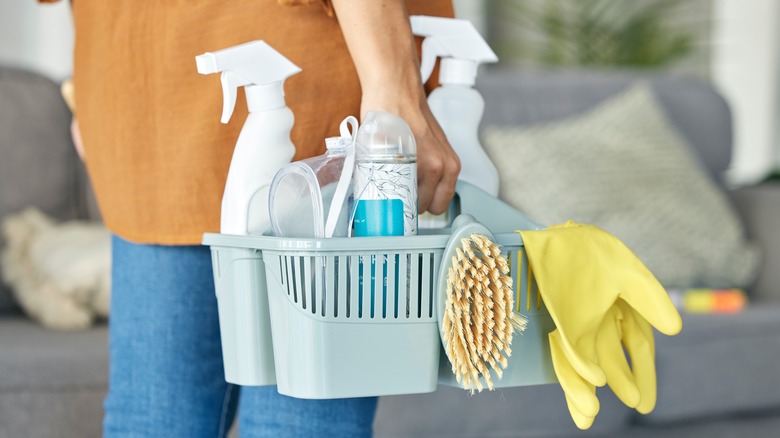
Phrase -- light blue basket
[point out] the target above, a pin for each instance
(242, 299)
(353, 317)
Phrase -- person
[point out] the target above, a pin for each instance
(157, 157)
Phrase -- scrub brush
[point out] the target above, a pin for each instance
(478, 321)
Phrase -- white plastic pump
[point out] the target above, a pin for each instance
(457, 106)
(264, 144)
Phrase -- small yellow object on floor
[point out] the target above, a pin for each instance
(603, 300)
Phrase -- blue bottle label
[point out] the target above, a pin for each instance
(386, 199)
(379, 217)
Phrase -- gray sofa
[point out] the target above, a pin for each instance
(718, 378)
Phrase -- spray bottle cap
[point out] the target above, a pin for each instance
(459, 45)
(254, 65)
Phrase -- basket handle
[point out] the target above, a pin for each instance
(496, 215)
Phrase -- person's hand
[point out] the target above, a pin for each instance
(379, 38)
(75, 134)
(438, 165)
(69, 96)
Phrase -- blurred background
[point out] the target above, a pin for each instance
(731, 43)
(713, 69)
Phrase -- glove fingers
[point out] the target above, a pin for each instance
(582, 421)
(642, 291)
(613, 360)
(580, 394)
(640, 345)
(578, 359)
(634, 282)
(660, 312)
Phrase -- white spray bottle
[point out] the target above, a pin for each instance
(457, 106)
(264, 144)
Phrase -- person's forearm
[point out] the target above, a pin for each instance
(380, 41)
(379, 38)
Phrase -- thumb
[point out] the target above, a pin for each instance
(638, 287)
(582, 422)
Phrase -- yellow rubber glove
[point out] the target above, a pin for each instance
(610, 342)
(635, 386)
(621, 329)
(580, 394)
(581, 271)
(600, 297)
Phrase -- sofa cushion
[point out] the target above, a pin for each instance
(38, 164)
(71, 413)
(522, 97)
(719, 364)
(51, 383)
(33, 358)
(623, 167)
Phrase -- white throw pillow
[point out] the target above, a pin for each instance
(623, 167)
(60, 273)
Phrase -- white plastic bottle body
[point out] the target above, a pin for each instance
(263, 147)
(459, 109)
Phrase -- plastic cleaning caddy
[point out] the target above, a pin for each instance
(335, 336)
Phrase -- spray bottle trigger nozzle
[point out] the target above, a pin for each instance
(431, 49)
(230, 83)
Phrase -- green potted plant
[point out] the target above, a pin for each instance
(593, 33)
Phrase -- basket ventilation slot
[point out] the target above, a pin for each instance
(365, 286)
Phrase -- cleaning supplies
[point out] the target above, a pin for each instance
(602, 300)
(457, 106)
(302, 192)
(385, 177)
(477, 320)
(264, 144)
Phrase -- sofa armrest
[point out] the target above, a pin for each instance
(759, 207)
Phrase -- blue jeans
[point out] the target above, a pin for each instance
(166, 376)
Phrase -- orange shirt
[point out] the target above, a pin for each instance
(155, 149)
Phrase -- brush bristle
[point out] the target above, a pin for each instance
(479, 320)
